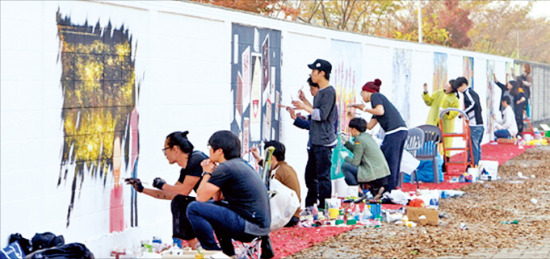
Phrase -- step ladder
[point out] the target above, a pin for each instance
(464, 135)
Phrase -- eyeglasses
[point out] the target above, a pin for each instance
(164, 149)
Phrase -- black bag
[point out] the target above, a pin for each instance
(46, 240)
(23, 242)
(72, 250)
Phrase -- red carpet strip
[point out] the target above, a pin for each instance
(288, 241)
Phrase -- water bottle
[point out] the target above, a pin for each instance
(176, 242)
(199, 254)
(365, 215)
(157, 244)
(521, 144)
(434, 203)
(357, 214)
(315, 212)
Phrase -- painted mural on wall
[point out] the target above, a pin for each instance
(100, 120)
(468, 70)
(255, 85)
(492, 103)
(345, 76)
(401, 81)
(440, 71)
(346, 72)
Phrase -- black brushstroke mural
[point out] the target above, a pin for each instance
(99, 106)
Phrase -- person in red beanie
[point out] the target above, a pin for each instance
(392, 123)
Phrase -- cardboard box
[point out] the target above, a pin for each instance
(432, 215)
(506, 141)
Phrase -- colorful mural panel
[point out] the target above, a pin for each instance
(345, 76)
(493, 99)
(100, 119)
(346, 73)
(440, 71)
(468, 70)
(401, 82)
(255, 85)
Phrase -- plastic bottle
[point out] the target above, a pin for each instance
(315, 212)
(379, 220)
(147, 247)
(434, 203)
(357, 214)
(176, 242)
(521, 144)
(199, 254)
(365, 215)
(157, 244)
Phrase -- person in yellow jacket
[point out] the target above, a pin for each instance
(435, 102)
(450, 100)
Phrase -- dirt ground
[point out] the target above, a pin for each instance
(483, 209)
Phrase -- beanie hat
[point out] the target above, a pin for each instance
(373, 87)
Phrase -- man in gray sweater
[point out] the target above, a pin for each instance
(322, 134)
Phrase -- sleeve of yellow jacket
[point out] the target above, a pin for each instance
(428, 100)
(450, 101)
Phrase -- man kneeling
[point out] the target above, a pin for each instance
(368, 164)
(227, 176)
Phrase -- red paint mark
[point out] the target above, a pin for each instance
(116, 210)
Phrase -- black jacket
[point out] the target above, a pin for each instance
(472, 107)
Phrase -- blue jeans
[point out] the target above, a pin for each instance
(350, 173)
(502, 133)
(476, 135)
(317, 176)
(392, 147)
(207, 218)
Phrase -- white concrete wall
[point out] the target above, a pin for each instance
(183, 63)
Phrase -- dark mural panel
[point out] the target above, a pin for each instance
(255, 84)
(99, 107)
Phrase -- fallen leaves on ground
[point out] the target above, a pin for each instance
(483, 209)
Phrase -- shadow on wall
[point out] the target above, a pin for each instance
(100, 120)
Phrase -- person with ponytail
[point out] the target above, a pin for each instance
(392, 123)
(450, 100)
(178, 150)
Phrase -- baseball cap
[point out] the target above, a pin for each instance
(321, 65)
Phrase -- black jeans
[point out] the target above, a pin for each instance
(317, 176)
(392, 147)
(181, 227)
(208, 218)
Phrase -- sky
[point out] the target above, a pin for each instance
(541, 8)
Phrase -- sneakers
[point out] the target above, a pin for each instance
(362, 197)
(267, 248)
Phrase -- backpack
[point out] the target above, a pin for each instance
(23, 242)
(71, 250)
(46, 240)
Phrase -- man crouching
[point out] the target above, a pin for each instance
(245, 214)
